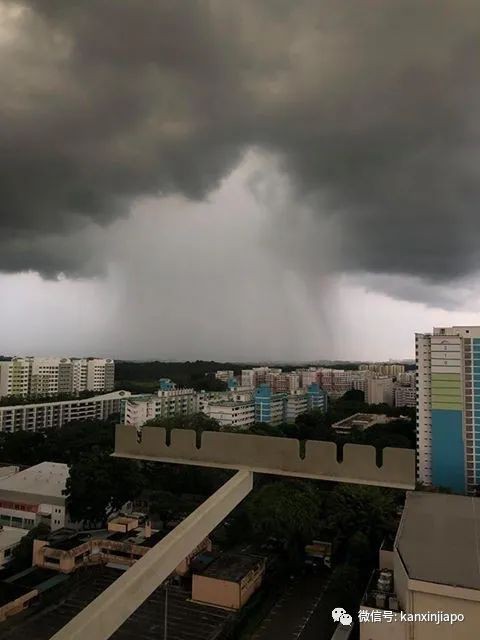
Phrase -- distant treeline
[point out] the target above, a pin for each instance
(143, 377)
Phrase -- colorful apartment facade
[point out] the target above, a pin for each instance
(448, 408)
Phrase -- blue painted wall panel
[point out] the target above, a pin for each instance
(448, 451)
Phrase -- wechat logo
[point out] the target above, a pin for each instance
(340, 615)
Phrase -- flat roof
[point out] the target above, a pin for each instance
(46, 479)
(10, 592)
(112, 395)
(438, 539)
(232, 567)
(10, 536)
(187, 620)
(365, 418)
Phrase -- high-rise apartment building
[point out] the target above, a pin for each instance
(33, 376)
(448, 407)
(15, 377)
(380, 391)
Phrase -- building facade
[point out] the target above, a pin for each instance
(269, 406)
(432, 569)
(33, 376)
(405, 396)
(35, 496)
(380, 391)
(231, 413)
(448, 407)
(45, 415)
(167, 403)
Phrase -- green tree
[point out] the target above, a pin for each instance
(288, 511)
(356, 508)
(99, 485)
(198, 422)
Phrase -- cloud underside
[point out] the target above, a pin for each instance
(370, 109)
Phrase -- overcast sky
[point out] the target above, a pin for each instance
(248, 181)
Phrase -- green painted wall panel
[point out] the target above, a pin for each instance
(447, 391)
(445, 376)
(454, 406)
(440, 384)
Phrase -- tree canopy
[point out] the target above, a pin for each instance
(99, 485)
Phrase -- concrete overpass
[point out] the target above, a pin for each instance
(247, 454)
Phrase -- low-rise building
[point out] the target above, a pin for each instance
(166, 403)
(229, 580)
(35, 496)
(231, 413)
(224, 376)
(10, 538)
(126, 539)
(435, 574)
(44, 415)
(359, 421)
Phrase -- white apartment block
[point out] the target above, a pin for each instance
(384, 369)
(35, 496)
(296, 404)
(232, 413)
(308, 376)
(52, 376)
(247, 378)
(380, 391)
(44, 415)
(224, 376)
(405, 396)
(137, 410)
(15, 377)
(407, 378)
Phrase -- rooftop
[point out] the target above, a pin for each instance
(112, 395)
(232, 567)
(10, 592)
(10, 536)
(186, 620)
(46, 478)
(438, 539)
(361, 420)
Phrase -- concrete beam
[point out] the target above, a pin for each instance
(270, 455)
(102, 617)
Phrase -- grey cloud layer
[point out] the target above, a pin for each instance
(371, 107)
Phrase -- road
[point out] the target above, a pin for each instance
(292, 615)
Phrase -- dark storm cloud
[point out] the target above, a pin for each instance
(372, 108)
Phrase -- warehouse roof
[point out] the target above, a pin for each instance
(48, 479)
